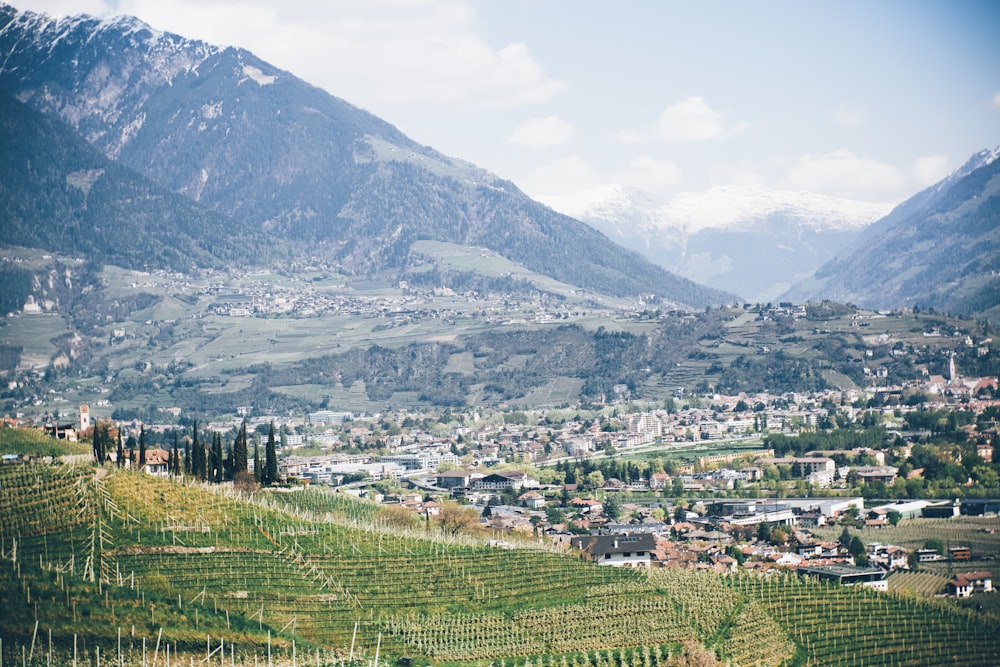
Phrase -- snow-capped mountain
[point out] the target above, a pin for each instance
(752, 241)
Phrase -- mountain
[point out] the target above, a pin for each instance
(748, 240)
(939, 249)
(283, 159)
(59, 193)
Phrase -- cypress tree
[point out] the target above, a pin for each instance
(98, 445)
(120, 454)
(175, 459)
(240, 451)
(256, 462)
(187, 456)
(270, 474)
(142, 446)
(216, 467)
(196, 453)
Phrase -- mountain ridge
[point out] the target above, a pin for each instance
(939, 249)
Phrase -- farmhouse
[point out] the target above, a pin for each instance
(967, 583)
(618, 550)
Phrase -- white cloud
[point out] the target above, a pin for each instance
(692, 119)
(370, 53)
(647, 173)
(560, 177)
(540, 133)
(842, 173)
(996, 100)
(743, 173)
(628, 137)
(845, 115)
(929, 169)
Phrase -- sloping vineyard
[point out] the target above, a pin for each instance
(122, 561)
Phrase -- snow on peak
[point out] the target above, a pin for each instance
(721, 207)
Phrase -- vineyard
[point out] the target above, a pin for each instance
(125, 567)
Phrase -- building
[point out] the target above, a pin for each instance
(505, 480)
(848, 575)
(871, 474)
(618, 550)
(455, 479)
(751, 512)
(967, 583)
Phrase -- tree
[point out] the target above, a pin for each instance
(454, 517)
(857, 549)
(142, 447)
(215, 469)
(935, 544)
(270, 474)
(894, 517)
(187, 456)
(612, 508)
(240, 451)
(120, 453)
(845, 538)
(257, 472)
(595, 479)
(98, 442)
(175, 459)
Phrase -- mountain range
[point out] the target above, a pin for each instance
(753, 241)
(272, 168)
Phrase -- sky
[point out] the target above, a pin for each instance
(869, 100)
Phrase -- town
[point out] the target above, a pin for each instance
(755, 482)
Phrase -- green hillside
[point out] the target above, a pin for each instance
(118, 559)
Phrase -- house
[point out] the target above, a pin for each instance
(960, 553)
(532, 500)
(659, 481)
(455, 479)
(157, 462)
(967, 583)
(617, 550)
(586, 505)
(888, 556)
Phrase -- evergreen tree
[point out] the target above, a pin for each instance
(197, 454)
(98, 443)
(256, 462)
(216, 467)
(187, 456)
(240, 451)
(142, 447)
(270, 474)
(175, 460)
(120, 454)
(227, 462)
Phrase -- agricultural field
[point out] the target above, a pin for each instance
(134, 566)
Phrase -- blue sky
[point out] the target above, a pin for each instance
(862, 99)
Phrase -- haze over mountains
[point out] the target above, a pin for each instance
(298, 173)
(752, 241)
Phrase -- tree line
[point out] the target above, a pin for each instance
(201, 457)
